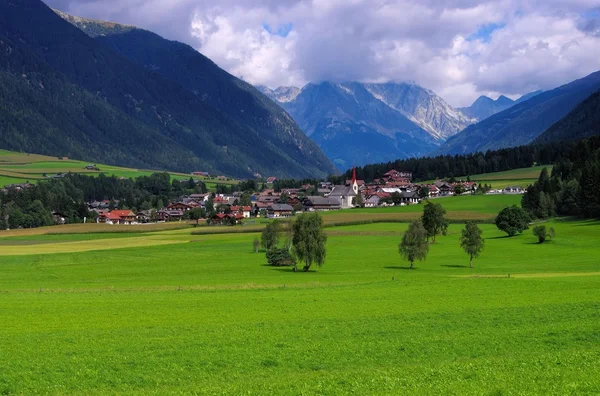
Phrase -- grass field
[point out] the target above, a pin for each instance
(517, 177)
(169, 312)
(18, 168)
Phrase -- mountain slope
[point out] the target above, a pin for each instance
(357, 123)
(582, 122)
(485, 107)
(523, 122)
(134, 115)
(280, 94)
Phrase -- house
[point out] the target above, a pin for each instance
(410, 198)
(394, 174)
(124, 216)
(145, 216)
(92, 168)
(59, 218)
(280, 210)
(179, 206)
(245, 211)
(346, 194)
(513, 190)
(226, 219)
(319, 204)
(271, 179)
(169, 215)
(199, 173)
(372, 201)
(444, 188)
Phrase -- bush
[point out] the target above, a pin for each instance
(513, 220)
(280, 257)
(542, 233)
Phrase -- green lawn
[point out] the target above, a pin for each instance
(515, 174)
(206, 316)
(20, 167)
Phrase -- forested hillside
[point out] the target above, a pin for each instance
(65, 93)
(582, 122)
(525, 121)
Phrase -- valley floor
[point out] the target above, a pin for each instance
(172, 312)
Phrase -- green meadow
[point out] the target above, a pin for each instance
(172, 311)
(16, 168)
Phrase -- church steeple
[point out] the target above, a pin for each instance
(354, 182)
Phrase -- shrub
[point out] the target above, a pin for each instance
(542, 233)
(279, 257)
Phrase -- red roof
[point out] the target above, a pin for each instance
(121, 213)
(113, 216)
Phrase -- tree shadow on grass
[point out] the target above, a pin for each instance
(501, 237)
(289, 269)
(400, 268)
(454, 266)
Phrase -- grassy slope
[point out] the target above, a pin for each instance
(20, 167)
(114, 322)
(517, 177)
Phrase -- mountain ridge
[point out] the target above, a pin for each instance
(386, 121)
(523, 122)
(168, 125)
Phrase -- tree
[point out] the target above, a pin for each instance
(245, 199)
(472, 241)
(459, 189)
(255, 245)
(396, 198)
(358, 201)
(414, 245)
(434, 220)
(424, 192)
(309, 240)
(270, 235)
(280, 257)
(542, 233)
(512, 220)
(196, 214)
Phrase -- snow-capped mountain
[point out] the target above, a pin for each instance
(357, 123)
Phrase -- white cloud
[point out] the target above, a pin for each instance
(537, 44)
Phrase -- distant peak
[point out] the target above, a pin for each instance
(503, 100)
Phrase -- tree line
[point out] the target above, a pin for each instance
(573, 186)
(448, 166)
(68, 196)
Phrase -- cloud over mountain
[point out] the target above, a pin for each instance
(459, 48)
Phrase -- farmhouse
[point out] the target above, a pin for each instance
(280, 210)
(117, 217)
(319, 204)
(513, 190)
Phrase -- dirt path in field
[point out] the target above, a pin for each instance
(533, 275)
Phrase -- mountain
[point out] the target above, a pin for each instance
(485, 107)
(281, 94)
(128, 97)
(528, 96)
(523, 122)
(582, 122)
(356, 123)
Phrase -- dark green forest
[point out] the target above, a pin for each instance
(573, 187)
(65, 93)
(33, 206)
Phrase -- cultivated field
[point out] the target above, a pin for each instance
(171, 312)
(16, 168)
(517, 177)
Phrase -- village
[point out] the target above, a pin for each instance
(395, 188)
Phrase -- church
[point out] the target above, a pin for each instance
(346, 194)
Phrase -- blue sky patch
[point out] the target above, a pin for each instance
(484, 33)
(281, 30)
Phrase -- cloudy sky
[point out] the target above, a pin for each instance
(459, 48)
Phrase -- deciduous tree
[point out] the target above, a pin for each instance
(270, 235)
(472, 241)
(414, 245)
(309, 240)
(512, 220)
(434, 220)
